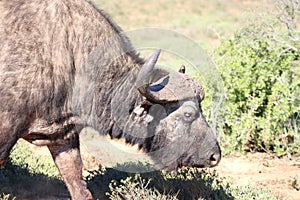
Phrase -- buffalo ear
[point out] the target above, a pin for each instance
(182, 69)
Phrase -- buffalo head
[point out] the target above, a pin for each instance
(171, 112)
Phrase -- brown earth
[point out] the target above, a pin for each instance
(280, 175)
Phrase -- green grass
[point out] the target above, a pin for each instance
(203, 21)
(24, 157)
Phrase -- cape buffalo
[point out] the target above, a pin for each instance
(65, 65)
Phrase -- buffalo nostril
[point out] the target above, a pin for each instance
(214, 159)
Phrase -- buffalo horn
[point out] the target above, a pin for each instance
(144, 76)
(167, 88)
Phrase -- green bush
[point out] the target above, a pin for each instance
(187, 184)
(259, 67)
(136, 188)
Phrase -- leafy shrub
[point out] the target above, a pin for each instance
(187, 184)
(259, 66)
(136, 188)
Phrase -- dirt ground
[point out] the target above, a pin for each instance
(281, 176)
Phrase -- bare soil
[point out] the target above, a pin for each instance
(280, 175)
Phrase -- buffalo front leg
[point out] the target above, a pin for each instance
(8, 139)
(6, 144)
(68, 161)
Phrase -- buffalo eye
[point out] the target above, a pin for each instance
(189, 111)
(189, 115)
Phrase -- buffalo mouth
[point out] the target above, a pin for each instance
(179, 165)
(188, 163)
(174, 168)
(212, 161)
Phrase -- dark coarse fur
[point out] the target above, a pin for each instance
(45, 45)
(44, 48)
